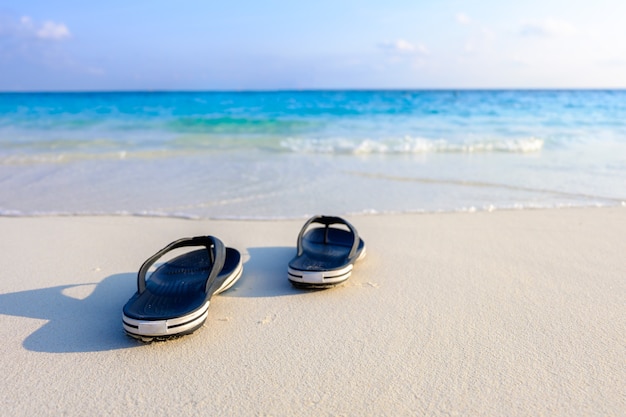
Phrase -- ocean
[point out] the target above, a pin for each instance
(291, 154)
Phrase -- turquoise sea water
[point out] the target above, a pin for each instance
(292, 154)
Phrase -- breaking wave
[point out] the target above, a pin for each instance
(409, 145)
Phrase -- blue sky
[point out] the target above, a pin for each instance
(279, 44)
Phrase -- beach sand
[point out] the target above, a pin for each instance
(509, 313)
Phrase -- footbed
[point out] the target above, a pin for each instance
(320, 256)
(176, 288)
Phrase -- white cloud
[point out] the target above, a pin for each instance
(26, 28)
(463, 19)
(547, 28)
(53, 31)
(26, 22)
(401, 46)
(32, 49)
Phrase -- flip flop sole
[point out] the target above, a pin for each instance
(150, 330)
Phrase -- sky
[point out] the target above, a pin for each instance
(72, 45)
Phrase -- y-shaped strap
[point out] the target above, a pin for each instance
(215, 247)
(327, 221)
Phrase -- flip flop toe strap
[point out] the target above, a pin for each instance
(215, 247)
(327, 221)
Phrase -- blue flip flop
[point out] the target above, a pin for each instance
(326, 255)
(174, 301)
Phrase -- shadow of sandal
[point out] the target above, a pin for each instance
(265, 274)
(90, 324)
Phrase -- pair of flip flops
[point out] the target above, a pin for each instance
(174, 301)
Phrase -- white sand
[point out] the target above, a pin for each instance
(499, 314)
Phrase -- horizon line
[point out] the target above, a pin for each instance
(304, 90)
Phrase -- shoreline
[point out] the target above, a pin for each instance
(14, 214)
(514, 312)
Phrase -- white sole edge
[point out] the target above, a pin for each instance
(231, 281)
(169, 327)
(331, 277)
